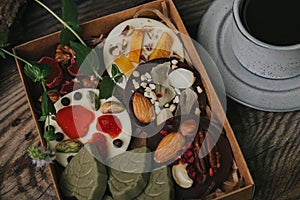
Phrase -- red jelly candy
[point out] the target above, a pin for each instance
(109, 124)
(75, 120)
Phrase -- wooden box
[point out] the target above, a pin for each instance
(46, 45)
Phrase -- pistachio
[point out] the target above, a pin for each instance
(69, 146)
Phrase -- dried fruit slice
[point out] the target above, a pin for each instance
(56, 76)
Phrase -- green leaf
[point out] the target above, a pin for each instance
(3, 40)
(66, 36)
(106, 87)
(2, 54)
(37, 72)
(86, 58)
(49, 135)
(48, 108)
(116, 73)
(69, 11)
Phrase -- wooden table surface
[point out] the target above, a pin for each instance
(270, 141)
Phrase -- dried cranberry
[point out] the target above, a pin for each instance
(118, 143)
(65, 101)
(164, 132)
(199, 179)
(187, 154)
(59, 136)
(191, 160)
(211, 172)
(56, 76)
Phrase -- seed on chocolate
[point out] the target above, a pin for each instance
(59, 136)
(118, 143)
(77, 96)
(69, 158)
(65, 101)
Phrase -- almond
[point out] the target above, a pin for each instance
(168, 147)
(142, 108)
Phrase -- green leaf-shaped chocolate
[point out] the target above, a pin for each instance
(127, 178)
(160, 186)
(84, 177)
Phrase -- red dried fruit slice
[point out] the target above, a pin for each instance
(109, 124)
(75, 120)
(73, 68)
(56, 76)
(68, 86)
(100, 141)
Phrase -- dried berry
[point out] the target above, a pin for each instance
(56, 76)
(164, 132)
(118, 143)
(65, 101)
(77, 96)
(59, 136)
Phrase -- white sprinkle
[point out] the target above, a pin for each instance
(152, 86)
(166, 105)
(136, 74)
(144, 85)
(156, 103)
(199, 89)
(143, 78)
(153, 96)
(148, 76)
(197, 111)
(174, 66)
(174, 62)
(152, 101)
(147, 94)
(135, 84)
(172, 107)
(148, 89)
(176, 99)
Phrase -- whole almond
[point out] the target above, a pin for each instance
(142, 108)
(168, 147)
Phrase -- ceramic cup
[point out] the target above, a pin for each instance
(258, 55)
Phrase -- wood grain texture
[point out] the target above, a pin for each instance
(269, 141)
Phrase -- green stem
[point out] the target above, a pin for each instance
(97, 74)
(61, 21)
(17, 57)
(44, 86)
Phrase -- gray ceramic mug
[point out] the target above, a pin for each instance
(259, 57)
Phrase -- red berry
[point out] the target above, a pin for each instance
(164, 132)
(188, 154)
(159, 95)
(191, 160)
(193, 175)
(190, 146)
(211, 172)
(199, 179)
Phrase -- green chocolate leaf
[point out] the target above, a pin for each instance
(106, 87)
(86, 58)
(84, 177)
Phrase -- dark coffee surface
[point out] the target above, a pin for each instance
(273, 21)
